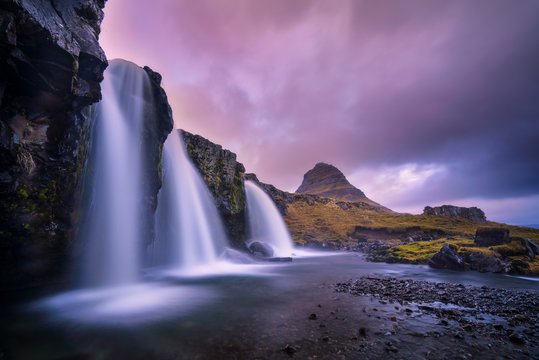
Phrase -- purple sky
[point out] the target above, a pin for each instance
(417, 102)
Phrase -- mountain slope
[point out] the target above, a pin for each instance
(327, 181)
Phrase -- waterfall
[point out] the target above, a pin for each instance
(111, 230)
(266, 224)
(189, 231)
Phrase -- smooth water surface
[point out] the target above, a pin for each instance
(199, 317)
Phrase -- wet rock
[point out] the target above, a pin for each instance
(446, 258)
(156, 127)
(478, 261)
(260, 249)
(51, 65)
(514, 306)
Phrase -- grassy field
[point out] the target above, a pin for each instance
(326, 221)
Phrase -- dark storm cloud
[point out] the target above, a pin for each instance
(360, 84)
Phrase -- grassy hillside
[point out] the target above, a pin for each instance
(335, 223)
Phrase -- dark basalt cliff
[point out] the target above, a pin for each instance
(327, 181)
(157, 125)
(224, 176)
(51, 65)
(472, 213)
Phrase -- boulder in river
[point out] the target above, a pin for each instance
(480, 262)
(260, 249)
(446, 258)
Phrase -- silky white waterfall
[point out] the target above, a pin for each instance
(189, 231)
(111, 230)
(265, 222)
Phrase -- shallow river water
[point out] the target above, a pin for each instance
(246, 312)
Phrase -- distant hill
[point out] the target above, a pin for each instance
(327, 181)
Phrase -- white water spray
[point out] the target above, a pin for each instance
(189, 231)
(111, 230)
(265, 222)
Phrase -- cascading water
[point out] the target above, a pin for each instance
(189, 231)
(188, 228)
(265, 222)
(111, 229)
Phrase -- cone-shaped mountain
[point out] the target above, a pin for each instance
(327, 181)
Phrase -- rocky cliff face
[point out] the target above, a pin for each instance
(224, 176)
(473, 213)
(327, 181)
(157, 125)
(51, 65)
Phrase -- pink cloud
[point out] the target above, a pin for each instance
(286, 84)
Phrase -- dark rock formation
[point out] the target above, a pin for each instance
(224, 176)
(473, 213)
(519, 267)
(491, 236)
(51, 65)
(446, 258)
(532, 248)
(260, 249)
(156, 127)
(326, 180)
(476, 260)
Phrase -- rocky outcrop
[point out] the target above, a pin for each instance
(472, 213)
(156, 127)
(491, 236)
(260, 250)
(476, 260)
(449, 258)
(531, 247)
(224, 176)
(326, 180)
(50, 68)
(446, 258)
